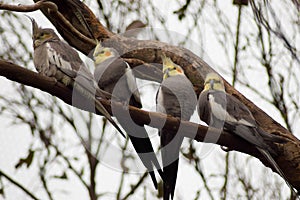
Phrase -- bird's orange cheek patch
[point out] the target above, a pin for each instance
(107, 53)
(179, 71)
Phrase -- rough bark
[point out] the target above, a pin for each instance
(139, 51)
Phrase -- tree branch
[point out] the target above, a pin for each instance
(18, 185)
(24, 76)
(194, 131)
(29, 8)
(52, 10)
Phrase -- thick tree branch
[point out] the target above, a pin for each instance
(73, 12)
(198, 132)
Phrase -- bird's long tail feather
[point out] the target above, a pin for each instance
(141, 142)
(271, 137)
(170, 156)
(268, 156)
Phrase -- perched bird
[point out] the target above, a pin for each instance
(115, 76)
(54, 58)
(175, 97)
(223, 111)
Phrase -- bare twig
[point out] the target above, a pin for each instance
(53, 9)
(18, 185)
(224, 188)
(30, 8)
(277, 31)
(72, 29)
(236, 47)
(136, 186)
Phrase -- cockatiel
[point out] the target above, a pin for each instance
(54, 58)
(223, 111)
(115, 76)
(175, 97)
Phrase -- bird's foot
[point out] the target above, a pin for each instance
(53, 79)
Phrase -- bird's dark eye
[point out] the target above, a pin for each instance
(42, 34)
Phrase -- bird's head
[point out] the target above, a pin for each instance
(213, 82)
(41, 35)
(170, 68)
(102, 53)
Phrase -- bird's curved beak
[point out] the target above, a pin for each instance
(166, 73)
(36, 43)
(211, 83)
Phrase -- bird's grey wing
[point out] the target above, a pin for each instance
(204, 110)
(160, 101)
(245, 117)
(69, 58)
(132, 85)
(170, 104)
(68, 61)
(109, 72)
(228, 109)
(187, 97)
(41, 61)
(238, 119)
(184, 98)
(84, 82)
(239, 111)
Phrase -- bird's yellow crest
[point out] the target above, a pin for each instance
(102, 53)
(170, 68)
(213, 82)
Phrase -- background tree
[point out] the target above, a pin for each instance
(259, 57)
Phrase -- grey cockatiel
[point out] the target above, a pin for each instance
(115, 76)
(175, 97)
(223, 111)
(54, 58)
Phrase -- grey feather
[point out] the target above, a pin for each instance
(175, 97)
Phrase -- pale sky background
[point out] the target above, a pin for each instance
(14, 139)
